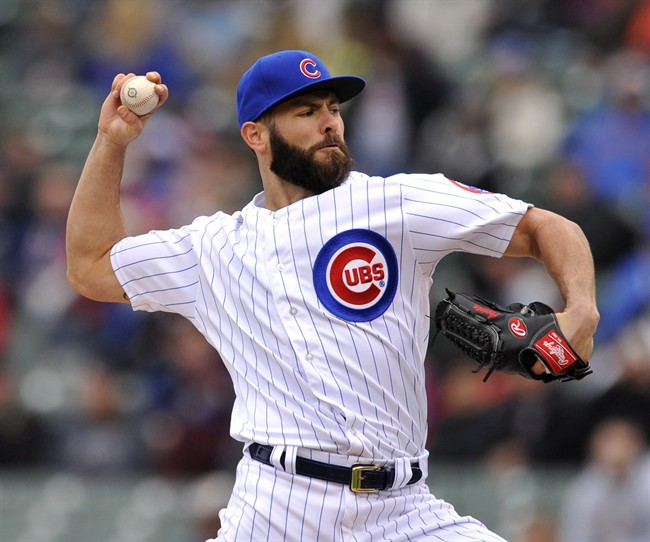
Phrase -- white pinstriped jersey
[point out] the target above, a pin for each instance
(318, 309)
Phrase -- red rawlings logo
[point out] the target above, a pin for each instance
(517, 327)
(485, 311)
(556, 351)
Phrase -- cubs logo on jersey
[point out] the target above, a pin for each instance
(355, 275)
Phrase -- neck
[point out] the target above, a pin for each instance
(279, 193)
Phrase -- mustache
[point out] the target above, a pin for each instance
(328, 141)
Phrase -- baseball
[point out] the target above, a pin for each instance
(138, 95)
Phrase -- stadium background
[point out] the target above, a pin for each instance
(114, 425)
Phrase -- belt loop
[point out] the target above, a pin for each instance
(424, 465)
(403, 472)
(290, 459)
(278, 457)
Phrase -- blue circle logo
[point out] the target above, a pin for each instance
(355, 275)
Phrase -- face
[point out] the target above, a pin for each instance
(324, 162)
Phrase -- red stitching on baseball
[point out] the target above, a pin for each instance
(141, 102)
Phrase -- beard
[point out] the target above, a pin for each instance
(300, 167)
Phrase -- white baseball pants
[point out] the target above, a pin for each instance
(268, 504)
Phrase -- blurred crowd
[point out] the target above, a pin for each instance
(545, 100)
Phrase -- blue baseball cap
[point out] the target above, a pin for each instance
(279, 76)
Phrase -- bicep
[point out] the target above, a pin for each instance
(110, 287)
(100, 282)
(541, 233)
(523, 242)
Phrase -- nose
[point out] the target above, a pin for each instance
(330, 124)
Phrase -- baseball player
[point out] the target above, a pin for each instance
(315, 295)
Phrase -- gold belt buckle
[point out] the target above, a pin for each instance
(357, 478)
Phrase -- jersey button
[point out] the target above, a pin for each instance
(280, 267)
(309, 357)
(293, 311)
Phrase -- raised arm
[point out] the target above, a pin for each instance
(562, 248)
(95, 220)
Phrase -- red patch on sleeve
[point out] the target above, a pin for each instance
(472, 189)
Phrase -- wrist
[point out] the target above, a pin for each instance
(585, 313)
(110, 143)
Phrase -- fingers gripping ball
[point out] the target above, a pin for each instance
(139, 95)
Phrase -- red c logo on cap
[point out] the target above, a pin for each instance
(307, 68)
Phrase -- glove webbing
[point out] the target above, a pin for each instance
(466, 337)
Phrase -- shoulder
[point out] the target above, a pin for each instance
(425, 180)
(398, 178)
(224, 220)
(429, 187)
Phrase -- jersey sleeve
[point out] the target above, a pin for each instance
(445, 216)
(158, 270)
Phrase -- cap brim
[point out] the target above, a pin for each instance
(345, 87)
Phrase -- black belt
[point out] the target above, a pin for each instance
(360, 478)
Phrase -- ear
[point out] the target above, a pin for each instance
(254, 135)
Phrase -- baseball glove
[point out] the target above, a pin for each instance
(509, 339)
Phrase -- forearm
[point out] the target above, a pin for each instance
(562, 248)
(95, 222)
(564, 251)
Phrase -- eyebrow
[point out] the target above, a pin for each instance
(311, 100)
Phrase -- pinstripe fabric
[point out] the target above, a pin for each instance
(303, 376)
(269, 504)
